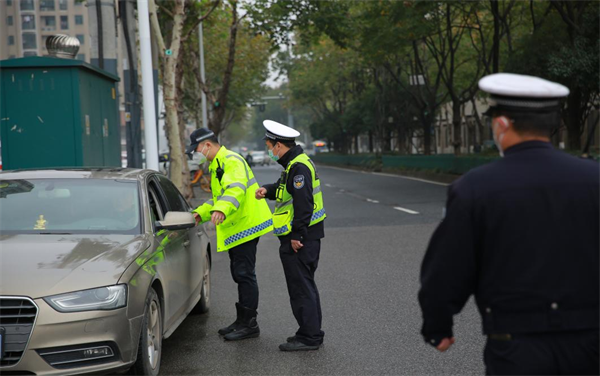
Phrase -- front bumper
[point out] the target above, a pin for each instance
(54, 330)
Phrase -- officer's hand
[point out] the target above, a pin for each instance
(217, 218)
(197, 218)
(260, 193)
(296, 245)
(445, 344)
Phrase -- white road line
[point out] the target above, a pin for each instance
(373, 201)
(409, 178)
(328, 185)
(384, 174)
(406, 210)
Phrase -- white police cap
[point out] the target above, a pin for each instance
(277, 131)
(525, 93)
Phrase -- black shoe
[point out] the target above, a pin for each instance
(247, 327)
(237, 323)
(228, 329)
(291, 339)
(297, 346)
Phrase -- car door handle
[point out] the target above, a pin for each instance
(199, 233)
(186, 243)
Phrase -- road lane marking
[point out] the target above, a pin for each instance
(373, 201)
(384, 174)
(406, 210)
(328, 185)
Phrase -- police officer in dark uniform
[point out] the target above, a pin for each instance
(299, 199)
(522, 235)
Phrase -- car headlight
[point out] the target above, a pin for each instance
(103, 298)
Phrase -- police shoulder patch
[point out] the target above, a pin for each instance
(298, 181)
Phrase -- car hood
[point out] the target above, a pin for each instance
(43, 265)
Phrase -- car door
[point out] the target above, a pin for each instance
(187, 261)
(170, 244)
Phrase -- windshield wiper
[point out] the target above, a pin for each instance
(55, 233)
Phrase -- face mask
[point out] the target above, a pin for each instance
(200, 157)
(272, 156)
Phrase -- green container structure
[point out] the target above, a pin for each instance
(58, 112)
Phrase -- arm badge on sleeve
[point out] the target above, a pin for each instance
(298, 181)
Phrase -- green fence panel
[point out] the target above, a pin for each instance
(446, 163)
(360, 160)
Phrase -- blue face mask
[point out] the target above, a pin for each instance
(272, 156)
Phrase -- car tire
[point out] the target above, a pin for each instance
(203, 304)
(150, 346)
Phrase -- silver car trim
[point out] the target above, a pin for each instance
(37, 311)
(73, 350)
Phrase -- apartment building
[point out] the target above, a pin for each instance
(25, 25)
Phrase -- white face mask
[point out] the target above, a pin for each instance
(200, 157)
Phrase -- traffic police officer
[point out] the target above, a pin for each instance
(240, 221)
(522, 235)
(298, 222)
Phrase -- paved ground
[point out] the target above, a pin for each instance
(377, 229)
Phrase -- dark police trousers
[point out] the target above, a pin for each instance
(552, 353)
(299, 269)
(242, 262)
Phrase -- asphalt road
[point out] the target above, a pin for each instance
(377, 230)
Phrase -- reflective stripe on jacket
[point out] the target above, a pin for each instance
(246, 218)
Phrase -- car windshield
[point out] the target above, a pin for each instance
(258, 153)
(69, 206)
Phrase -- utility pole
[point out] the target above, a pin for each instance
(150, 138)
(203, 77)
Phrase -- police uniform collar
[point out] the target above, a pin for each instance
(290, 155)
(527, 145)
(220, 155)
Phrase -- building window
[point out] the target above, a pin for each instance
(78, 2)
(48, 23)
(27, 5)
(11, 40)
(28, 22)
(63, 4)
(29, 41)
(9, 20)
(78, 20)
(46, 5)
(81, 57)
(29, 53)
(81, 38)
(64, 22)
(8, 3)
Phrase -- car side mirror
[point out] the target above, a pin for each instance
(176, 221)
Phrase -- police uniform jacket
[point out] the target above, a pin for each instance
(522, 235)
(303, 199)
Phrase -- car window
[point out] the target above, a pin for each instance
(174, 197)
(156, 211)
(78, 206)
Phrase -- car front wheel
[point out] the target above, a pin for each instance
(204, 304)
(150, 346)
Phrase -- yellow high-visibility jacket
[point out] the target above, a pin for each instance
(246, 218)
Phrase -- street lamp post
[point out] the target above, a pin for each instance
(150, 137)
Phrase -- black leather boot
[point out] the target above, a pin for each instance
(248, 327)
(237, 323)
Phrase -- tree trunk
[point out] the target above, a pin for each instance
(170, 97)
(427, 135)
(186, 188)
(371, 142)
(456, 126)
(216, 122)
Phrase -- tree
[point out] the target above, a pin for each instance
(173, 14)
